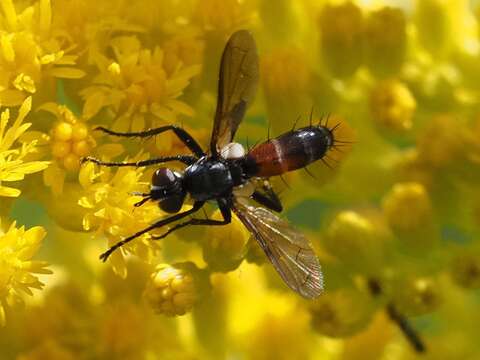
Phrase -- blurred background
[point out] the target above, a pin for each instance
(393, 214)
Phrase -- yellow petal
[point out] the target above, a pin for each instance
(67, 72)
(32, 167)
(2, 316)
(93, 104)
(9, 192)
(34, 237)
(24, 110)
(7, 48)
(109, 150)
(39, 137)
(10, 14)
(86, 175)
(54, 177)
(11, 97)
(51, 107)
(180, 107)
(45, 16)
(67, 60)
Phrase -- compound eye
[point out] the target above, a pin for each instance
(172, 204)
(163, 178)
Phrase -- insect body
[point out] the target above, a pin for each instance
(290, 151)
(226, 173)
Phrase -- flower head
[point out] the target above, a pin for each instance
(17, 269)
(342, 28)
(137, 87)
(30, 52)
(392, 105)
(385, 40)
(13, 160)
(111, 210)
(172, 290)
(70, 139)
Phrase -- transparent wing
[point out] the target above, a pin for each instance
(288, 249)
(237, 84)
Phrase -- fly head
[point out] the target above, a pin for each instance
(167, 188)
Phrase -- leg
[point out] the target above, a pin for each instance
(268, 198)
(227, 218)
(196, 206)
(184, 136)
(186, 159)
(407, 329)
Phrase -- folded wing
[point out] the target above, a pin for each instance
(288, 249)
(237, 85)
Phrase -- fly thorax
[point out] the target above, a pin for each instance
(232, 151)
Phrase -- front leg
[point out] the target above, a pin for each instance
(225, 209)
(182, 135)
(196, 206)
(186, 159)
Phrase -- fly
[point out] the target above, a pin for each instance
(229, 175)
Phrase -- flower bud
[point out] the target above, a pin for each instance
(355, 240)
(341, 313)
(172, 289)
(392, 105)
(225, 247)
(342, 28)
(385, 41)
(442, 141)
(417, 296)
(407, 206)
(465, 270)
(286, 78)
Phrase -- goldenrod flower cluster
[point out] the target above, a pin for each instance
(392, 211)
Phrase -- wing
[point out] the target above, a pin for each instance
(237, 83)
(288, 249)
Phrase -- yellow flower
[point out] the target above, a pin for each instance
(13, 165)
(465, 269)
(112, 214)
(70, 139)
(392, 105)
(286, 79)
(137, 87)
(442, 142)
(417, 296)
(17, 269)
(385, 40)
(282, 332)
(357, 240)
(407, 206)
(173, 290)
(225, 247)
(342, 28)
(31, 53)
(224, 15)
(342, 312)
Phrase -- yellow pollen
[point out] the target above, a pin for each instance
(80, 131)
(61, 149)
(71, 162)
(81, 148)
(63, 131)
(114, 68)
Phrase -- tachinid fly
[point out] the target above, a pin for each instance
(228, 175)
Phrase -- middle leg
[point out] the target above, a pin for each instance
(226, 213)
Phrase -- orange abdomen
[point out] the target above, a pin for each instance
(290, 151)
